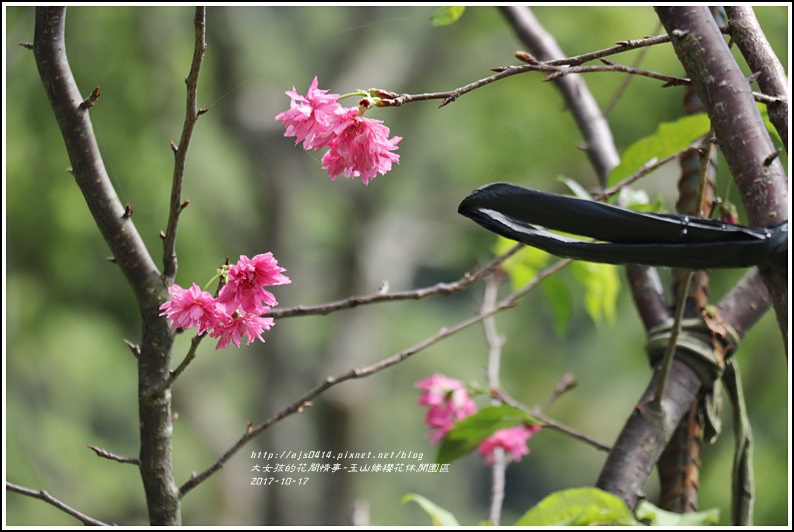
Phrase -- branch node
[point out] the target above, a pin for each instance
(679, 33)
(89, 102)
(771, 158)
(184, 205)
(162, 234)
(70, 170)
(134, 348)
(102, 453)
(174, 147)
(128, 212)
(28, 45)
(201, 112)
(499, 69)
(111, 259)
(304, 405)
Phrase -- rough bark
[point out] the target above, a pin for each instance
(738, 127)
(129, 254)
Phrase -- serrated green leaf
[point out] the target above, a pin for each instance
(469, 432)
(438, 515)
(579, 507)
(669, 138)
(444, 16)
(560, 299)
(601, 287)
(655, 516)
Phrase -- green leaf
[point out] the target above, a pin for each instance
(669, 138)
(655, 516)
(578, 190)
(467, 433)
(558, 295)
(601, 287)
(438, 515)
(774, 135)
(579, 507)
(524, 265)
(444, 16)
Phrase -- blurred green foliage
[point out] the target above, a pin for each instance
(71, 381)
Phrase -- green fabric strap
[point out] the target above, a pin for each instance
(713, 364)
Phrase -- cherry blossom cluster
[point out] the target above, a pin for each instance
(449, 402)
(359, 147)
(238, 309)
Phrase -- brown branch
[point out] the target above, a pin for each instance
(381, 296)
(646, 433)
(357, 373)
(122, 237)
(192, 113)
(102, 453)
(738, 127)
(748, 36)
(551, 423)
(129, 254)
(745, 303)
(49, 499)
(174, 375)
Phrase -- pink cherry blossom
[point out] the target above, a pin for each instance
(449, 402)
(249, 325)
(363, 149)
(245, 284)
(191, 308)
(512, 440)
(310, 119)
(438, 388)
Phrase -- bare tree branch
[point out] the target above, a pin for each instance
(495, 343)
(380, 297)
(646, 434)
(102, 453)
(738, 126)
(129, 254)
(192, 113)
(748, 36)
(357, 373)
(551, 423)
(49, 499)
(129, 251)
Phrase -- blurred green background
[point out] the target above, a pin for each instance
(71, 381)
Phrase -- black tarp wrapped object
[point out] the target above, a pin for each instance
(626, 236)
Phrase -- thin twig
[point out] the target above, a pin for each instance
(567, 382)
(597, 135)
(556, 71)
(644, 170)
(669, 352)
(495, 343)
(381, 296)
(174, 374)
(192, 113)
(706, 151)
(102, 453)
(551, 423)
(621, 90)
(365, 371)
(49, 499)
